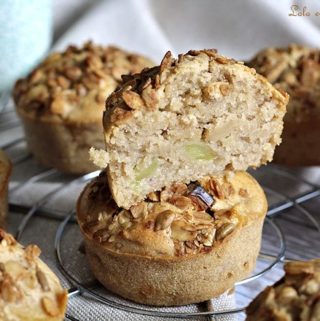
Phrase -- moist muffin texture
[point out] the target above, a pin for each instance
(295, 69)
(295, 297)
(61, 102)
(29, 290)
(5, 171)
(183, 244)
(185, 119)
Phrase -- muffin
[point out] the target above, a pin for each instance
(61, 103)
(185, 119)
(295, 297)
(29, 290)
(5, 171)
(184, 244)
(295, 69)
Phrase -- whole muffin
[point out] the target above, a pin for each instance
(295, 69)
(61, 103)
(5, 171)
(190, 117)
(29, 291)
(295, 297)
(184, 244)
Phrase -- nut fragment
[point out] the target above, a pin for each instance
(164, 220)
(133, 100)
(154, 196)
(73, 73)
(50, 307)
(101, 235)
(8, 291)
(42, 279)
(181, 202)
(225, 230)
(32, 252)
(310, 287)
(286, 294)
(139, 210)
(243, 192)
(216, 189)
(224, 89)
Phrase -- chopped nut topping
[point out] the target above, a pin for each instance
(42, 279)
(91, 72)
(295, 297)
(184, 213)
(163, 220)
(50, 307)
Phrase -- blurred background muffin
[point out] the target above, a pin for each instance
(61, 103)
(295, 69)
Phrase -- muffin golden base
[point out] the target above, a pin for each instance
(166, 256)
(62, 145)
(5, 171)
(300, 143)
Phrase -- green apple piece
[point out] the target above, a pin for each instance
(142, 173)
(200, 152)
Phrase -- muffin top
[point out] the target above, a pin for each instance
(73, 85)
(181, 220)
(295, 297)
(151, 89)
(5, 170)
(295, 69)
(28, 288)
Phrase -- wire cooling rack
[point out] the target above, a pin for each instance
(42, 211)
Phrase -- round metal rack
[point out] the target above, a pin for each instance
(291, 230)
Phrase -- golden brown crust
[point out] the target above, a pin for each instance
(173, 235)
(295, 297)
(61, 103)
(175, 221)
(5, 171)
(28, 288)
(138, 91)
(295, 69)
(72, 86)
(64, 146)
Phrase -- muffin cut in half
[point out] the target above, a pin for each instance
(295, 297)
(62, 101)
(184, 244)
(187, 118)
(29, 290)
(295, 69)
(5, 171)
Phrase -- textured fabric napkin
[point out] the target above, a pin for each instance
(236, 28)
(151, 27)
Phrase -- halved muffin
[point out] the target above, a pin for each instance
(187, 118)
(5, 171)
(29, 290)
(61, 103)
(186, 243)
(295, 297)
